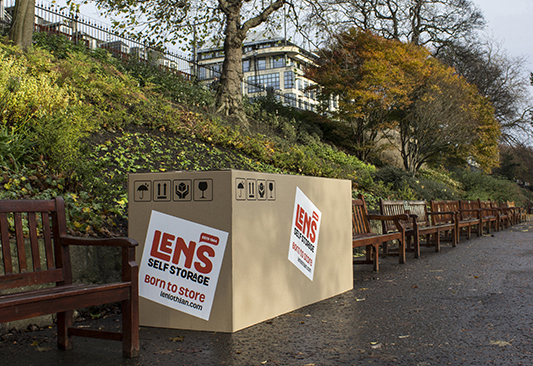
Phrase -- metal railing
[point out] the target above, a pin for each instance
(95, 34)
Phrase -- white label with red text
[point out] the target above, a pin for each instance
(304, 234)
(181, 263)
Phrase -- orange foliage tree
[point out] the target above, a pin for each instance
(387, 88)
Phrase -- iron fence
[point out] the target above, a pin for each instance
(95, 34)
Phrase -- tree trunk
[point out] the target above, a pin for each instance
(229, 94)
(21, 32)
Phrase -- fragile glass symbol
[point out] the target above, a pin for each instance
(143, 188)
(202, 186)
(271, 188)
(182, 190)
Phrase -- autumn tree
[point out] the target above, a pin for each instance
(446, 121)
(389, 88)
(21, 31)
(359, 70)
(225, 20)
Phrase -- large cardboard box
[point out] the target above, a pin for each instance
(257, 281)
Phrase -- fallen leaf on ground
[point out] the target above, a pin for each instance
(500, 343)
(177, 339)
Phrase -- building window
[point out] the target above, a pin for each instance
(261, 82)
(246, 66)
(290, 99)
(288, 80)
(201, 73)
(216, 70)
(278, 61)
(261, 64)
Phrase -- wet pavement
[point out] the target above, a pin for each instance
(469, 305)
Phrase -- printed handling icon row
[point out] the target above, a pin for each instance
(176, 190)
(247, 189)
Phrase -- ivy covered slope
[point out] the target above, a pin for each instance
(75, 122)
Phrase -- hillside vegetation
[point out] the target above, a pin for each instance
(74, 122)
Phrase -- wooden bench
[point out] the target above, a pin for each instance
(505, 214)
(470, 210)
(419, 223)
(490, 215)
(515, 213)
(363, 235)
(463, 221)
(36, 277)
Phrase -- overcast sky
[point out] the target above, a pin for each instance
(510, 22)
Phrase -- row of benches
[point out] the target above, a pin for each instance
(407, 221)
(36, 259)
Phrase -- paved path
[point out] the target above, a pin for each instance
(469, 305)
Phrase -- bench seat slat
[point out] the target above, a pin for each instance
(58, 299)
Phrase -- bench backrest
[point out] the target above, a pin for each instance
(418, 208)
(486, 205)
(443, 206)
(468, 209)
(360, 223)
(31, 253)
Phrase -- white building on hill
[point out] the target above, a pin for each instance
(269, 64)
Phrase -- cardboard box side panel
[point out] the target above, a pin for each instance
(215, 213)
(266, 283)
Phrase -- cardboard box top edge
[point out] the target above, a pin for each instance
(231, 170)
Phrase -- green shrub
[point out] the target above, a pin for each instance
(39, 117)
(57, 44)
(479, 185)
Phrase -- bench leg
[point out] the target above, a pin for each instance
(455, 238)
(64, 321)
(416, 240)
(437, 241)
(375, 257)
(130, 328)
(401, 251)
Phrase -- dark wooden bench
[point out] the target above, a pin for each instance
(519, 213)
(505, 214)
(36, 277)
(419, 223)
(464, 222)
(363, 235)
(490, 215)
(470, 210)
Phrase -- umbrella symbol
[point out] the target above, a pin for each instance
(143, 188)
(240, 187)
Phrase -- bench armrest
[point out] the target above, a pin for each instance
(105, 242)
(130, 268)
